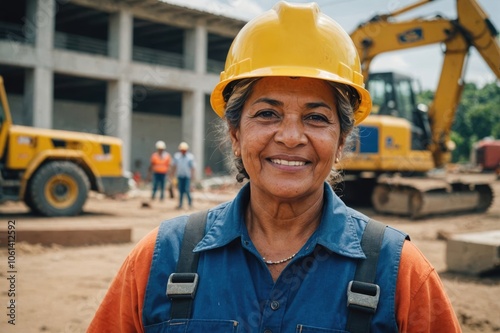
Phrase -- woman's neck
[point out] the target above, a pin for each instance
(283, 224)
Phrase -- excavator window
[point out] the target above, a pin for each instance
(404, 98)
(377, 92)
(393, 94)
(383, 92)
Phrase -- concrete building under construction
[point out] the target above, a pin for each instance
(141, 70)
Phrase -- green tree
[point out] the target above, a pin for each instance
(425, 97)
(461, 151)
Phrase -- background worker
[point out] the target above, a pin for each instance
(183, 169)
(283, 255)
(159, 166)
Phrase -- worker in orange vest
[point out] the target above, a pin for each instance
(159, 166)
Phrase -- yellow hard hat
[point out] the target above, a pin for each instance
(293, 40)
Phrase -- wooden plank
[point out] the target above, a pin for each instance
(70, 237)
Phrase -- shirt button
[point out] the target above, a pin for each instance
(275, 305)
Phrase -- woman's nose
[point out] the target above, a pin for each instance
(291, 132)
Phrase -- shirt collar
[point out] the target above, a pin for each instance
(337, 231)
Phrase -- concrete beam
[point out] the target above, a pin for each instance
(171, 78)
(474, 253)
(15, 53)
(86, 65)
(109, 69)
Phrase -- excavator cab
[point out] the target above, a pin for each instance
(394, 94)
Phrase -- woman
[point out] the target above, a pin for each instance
(280, 256)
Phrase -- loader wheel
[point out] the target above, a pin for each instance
(28, 200)
(58, 188)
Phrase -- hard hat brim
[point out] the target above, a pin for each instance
(219, 104)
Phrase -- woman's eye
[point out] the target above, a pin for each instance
(317, 117)
(266, 114)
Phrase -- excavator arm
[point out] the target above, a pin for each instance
(480, 33)
(379, 36)
(472, 29)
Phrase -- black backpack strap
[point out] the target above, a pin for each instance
(182, 284)
(362, 293)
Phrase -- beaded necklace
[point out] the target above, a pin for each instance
(270, 262)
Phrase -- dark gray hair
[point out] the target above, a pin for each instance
(236, 93)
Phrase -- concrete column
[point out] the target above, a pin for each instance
(196, 43)
(118, 119)
(39, 83)
(38, 97)
(43, 21)
(201, 36)
(120, 35)
(193, 103)
(28, 98)
(193, 126)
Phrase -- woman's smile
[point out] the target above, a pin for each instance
(287, 162)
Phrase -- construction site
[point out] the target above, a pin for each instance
(87, 87)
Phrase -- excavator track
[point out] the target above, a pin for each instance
(420, 197)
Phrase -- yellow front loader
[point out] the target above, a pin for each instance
(52, 171)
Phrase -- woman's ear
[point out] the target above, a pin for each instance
(234, 134)
(338, 154)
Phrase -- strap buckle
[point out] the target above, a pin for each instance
(182, 285)
(363, 296)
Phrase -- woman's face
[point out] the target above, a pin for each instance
(289, 136)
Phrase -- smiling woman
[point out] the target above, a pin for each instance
(286, 255)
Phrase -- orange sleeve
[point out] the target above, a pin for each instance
(121, 308)
(421, 302)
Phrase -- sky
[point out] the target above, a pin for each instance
(423, 63)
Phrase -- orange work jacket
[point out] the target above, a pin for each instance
(160, 163)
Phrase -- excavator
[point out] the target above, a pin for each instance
(399, 162)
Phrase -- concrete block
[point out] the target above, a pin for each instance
(474, 253)
(70, 237)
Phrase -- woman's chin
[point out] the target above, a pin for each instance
(289, 190)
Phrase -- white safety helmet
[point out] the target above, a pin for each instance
(183, 146)
(160, 145)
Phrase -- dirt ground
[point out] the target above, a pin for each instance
(59, 288)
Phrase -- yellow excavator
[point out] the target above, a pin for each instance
(402, 145)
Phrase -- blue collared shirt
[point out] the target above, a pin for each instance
(184, 164)
(236, 292)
